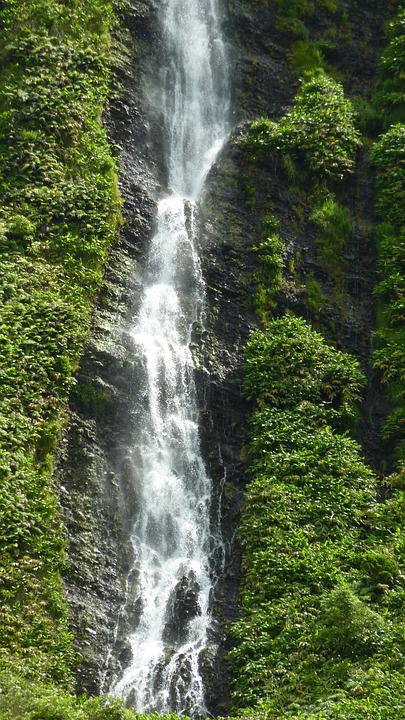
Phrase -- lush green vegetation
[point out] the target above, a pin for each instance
(334, 225)
(322, 598)
(306, 57)
(59, 213)
(315, 298)
(389, 356)
(388, 157)
(321, 628)
(22, 700)
(317, 142)
(389, 100)
(292, 17)
(269, 274)
(319, 130)
(322, 589)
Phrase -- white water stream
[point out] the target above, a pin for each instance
(174, 539)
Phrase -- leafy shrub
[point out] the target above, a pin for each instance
(269, 275)
(300, 9)
(347, 627)
(388, 154)
(291, 363)
(389, 99)
(315, 299)
(319, 128)
(335, 225)
(20, 227)
(374, 694)
(381, 566)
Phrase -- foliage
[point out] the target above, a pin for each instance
(372, 694)
(334, 226)
(292, 365)
(270, 254)
(306, 57)
(389, 355)
(347, 627)
(291, 14)
(22, 700)
(322, 587)
(91, 399)
(59, 213)
(388, 157)
(389, 99)
(368, 117)
(315, 299)
(319, 129)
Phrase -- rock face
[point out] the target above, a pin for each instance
(261, 36)
(97, 493)
(183, 607)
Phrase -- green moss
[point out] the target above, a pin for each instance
(59, 213)
(301, 9)
(290, 167)
(295, 262)
(250, 192)
(91, 399)
(293, 18)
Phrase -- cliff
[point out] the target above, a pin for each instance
(284, 227)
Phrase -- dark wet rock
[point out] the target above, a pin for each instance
(125, 656)
(260, 47)
(180, 681)
(212, 672)
(182, 607)
(131, 699)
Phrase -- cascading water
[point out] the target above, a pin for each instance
(174, 537)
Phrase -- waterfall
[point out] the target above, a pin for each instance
(174, 537)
